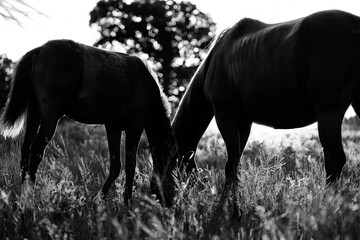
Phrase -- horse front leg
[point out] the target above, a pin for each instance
(131, 144)
(228, 128)
(235, 134)
(113, 132)
(329, 127)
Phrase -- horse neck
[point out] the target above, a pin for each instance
(193, 115)
(161, 139)
(195, 111)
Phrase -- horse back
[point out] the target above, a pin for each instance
(86, 83)
(253, 59)
(114, 79)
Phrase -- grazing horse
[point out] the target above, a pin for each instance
(92, 86)
(285, 75)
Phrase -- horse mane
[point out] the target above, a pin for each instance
(164, 98)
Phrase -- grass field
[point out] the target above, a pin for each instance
(281, 195)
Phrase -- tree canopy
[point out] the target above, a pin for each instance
(174, 35)
(6, 68)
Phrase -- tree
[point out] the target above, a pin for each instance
(14, 9)
(6, 68)
(174, 35)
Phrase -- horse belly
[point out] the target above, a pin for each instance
(94, 110)
(286, 120)
(281, 107)
(100, 99)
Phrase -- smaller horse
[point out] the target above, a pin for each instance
(92, 86)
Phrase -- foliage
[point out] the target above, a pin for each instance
(277, 200)
(173, 34)
(14, 10)
(351, 123)
(6, 68)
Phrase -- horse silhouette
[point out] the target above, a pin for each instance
(284, 75)
(92, 86)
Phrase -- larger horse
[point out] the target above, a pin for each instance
(284, 75)
(92, 86)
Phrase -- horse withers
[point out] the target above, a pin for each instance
(92, 86)
(284, 75)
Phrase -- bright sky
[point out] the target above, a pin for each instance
(66, 19)
(69, 19)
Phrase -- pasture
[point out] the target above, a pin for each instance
(282, 192)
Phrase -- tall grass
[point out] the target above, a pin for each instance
(281, 193)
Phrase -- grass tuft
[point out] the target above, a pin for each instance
(281, 193)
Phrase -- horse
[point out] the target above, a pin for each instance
(285, 75)
(92, 86)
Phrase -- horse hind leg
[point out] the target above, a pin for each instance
(114, 138)
(43, 137)
(32, 126)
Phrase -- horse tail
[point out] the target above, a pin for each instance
(14, 114)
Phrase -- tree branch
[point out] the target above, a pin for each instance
(12, 10)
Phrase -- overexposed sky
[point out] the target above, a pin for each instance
(69, 18)
(271, 11)
(66, 19)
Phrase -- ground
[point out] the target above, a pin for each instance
(281, 194)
